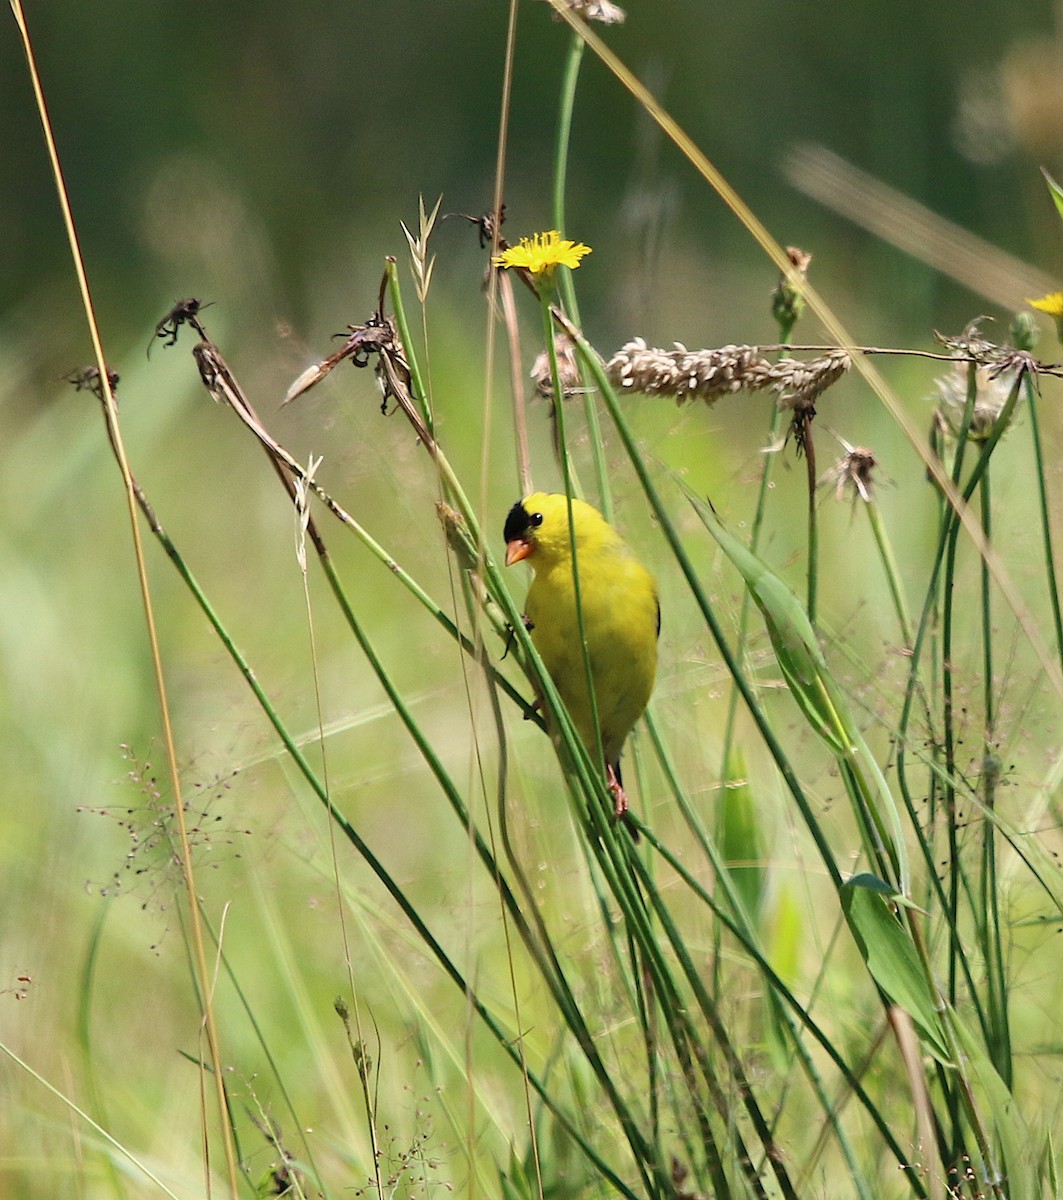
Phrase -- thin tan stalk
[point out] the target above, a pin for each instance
(204, 978)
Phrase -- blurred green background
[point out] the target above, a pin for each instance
(264, 153)
(261, 157)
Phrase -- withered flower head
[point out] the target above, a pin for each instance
(602, 11)
(853, 472)
(87, 379)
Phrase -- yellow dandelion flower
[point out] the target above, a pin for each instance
(1051, 304)
(542, 254)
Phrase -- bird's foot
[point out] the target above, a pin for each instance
(617, 789)
(620, 806)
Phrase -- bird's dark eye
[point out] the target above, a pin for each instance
(535, 520)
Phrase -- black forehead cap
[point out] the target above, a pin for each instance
(517, 522)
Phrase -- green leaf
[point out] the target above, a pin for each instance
(783, 924)
(739, 836)
(792, 637)
(872, 883)
(892, 958)
(785, 930)
(1055, 191)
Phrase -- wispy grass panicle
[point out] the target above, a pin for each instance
(422, 264)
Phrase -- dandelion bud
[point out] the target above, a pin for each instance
(787, 301)
(1023, 332)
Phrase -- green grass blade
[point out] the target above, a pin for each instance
(892, 959)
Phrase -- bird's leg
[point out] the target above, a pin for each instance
(612, 776)
(620, 808)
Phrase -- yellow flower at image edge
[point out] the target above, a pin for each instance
(1051, 304)
(542, 254)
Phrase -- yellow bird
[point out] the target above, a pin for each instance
(621, 619)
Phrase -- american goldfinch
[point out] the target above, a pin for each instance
(621, 619)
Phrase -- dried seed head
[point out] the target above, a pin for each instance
(683, 373)
(87, 379)
(602, 11)
(971, 343)
(853, 471)
(709, 374)
(184, 312)
(800, 384)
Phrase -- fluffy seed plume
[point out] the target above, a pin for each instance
(992, 389)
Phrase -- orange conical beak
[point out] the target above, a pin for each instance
(517, 550)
